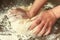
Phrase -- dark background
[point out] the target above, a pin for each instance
(8, 3)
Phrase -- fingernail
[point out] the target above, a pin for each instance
(44, 35)
(39, 35)
(29, 28)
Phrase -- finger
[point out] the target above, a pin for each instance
(49, 29)
(34, 18)
(35, 23)
(43, 29)
(39, 27)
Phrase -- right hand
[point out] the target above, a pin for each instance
(44, 22)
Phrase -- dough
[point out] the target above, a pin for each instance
(20, 25)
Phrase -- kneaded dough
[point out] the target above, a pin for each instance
(21, 25)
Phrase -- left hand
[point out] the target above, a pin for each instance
(43, 23)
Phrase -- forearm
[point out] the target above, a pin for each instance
(36, 7)
(56, 11)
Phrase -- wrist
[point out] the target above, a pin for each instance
(31, 14)
(56, 11)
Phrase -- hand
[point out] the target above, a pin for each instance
(43, 23)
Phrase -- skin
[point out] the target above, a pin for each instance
(42, 23)
(45, 22)
(37, 5)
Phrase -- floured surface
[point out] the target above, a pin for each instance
(13, 28)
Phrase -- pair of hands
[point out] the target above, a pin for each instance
(43, 23)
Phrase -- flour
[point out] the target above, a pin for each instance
(20, 26)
